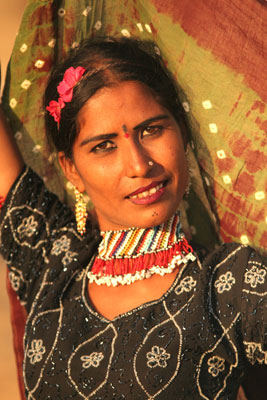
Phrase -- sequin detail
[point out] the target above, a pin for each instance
(225, 282)
(157, 357)
(255, 276)
(93, 360)
(27, 227)
(216, 365)
(186, 285)
(35, 353)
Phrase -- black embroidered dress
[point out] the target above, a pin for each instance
(195, 342)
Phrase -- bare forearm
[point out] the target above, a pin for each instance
(11, 161)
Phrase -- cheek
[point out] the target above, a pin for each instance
(176, 156)
(99, 182)
(179, 165)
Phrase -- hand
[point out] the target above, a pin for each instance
(10, 159)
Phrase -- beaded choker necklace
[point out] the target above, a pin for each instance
(134, 254)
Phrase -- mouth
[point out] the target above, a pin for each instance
(148, 194)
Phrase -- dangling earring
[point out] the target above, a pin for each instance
(80, 212)
(189, 183)
(187, 189)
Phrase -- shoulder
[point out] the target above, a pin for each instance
(233, 260)
(233, 269)
(234, 256)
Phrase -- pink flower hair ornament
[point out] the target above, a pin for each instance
(71, 77)
(54, 108)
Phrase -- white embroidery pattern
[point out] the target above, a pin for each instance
(255, 354)
(225, 282)
(93, 360)
(60, 245)
(216, 365)
(186, 285)
(157, 357)
(80, 276)
(69, 256)
(14, 280)
(27, 227)
(36, 352)
(255, 276)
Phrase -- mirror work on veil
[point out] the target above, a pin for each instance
(120, 303)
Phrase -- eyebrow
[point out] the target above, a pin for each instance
(106, 136)
(149, 120)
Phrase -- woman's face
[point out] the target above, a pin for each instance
(129, 157)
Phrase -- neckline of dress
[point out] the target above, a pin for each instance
(90, 307)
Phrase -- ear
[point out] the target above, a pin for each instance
(70, 171)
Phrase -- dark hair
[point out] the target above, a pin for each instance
(106, 61)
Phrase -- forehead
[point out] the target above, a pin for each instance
(126, 103)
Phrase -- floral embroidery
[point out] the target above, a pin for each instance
(69, 256)
(225, 282)
(255, 353)
(14, 280)
(216, 365)
(60, 245)
(93, 360)
(80, 276)
(186, 285)
(36, 352)
(255, 276)
(27, 227)
(157, 357)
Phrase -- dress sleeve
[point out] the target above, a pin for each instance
(37, 233)
(237, 301)
(254, 309)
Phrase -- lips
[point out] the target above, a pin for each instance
(148, 194)
(152, 188)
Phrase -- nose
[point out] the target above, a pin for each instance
(137, 161)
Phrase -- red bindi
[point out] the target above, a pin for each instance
(125, 130)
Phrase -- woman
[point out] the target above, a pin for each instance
(136, 315)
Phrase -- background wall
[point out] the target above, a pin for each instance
(10, 16)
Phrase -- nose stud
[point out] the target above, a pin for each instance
(150, 163)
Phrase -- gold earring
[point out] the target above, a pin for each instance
(80, 212)
(189, 183)
(188, 187)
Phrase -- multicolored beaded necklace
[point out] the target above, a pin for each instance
(129, 255)
(2, 200)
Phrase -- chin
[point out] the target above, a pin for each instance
(155, 217)
(141, 217)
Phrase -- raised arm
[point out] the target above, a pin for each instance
(11, 161)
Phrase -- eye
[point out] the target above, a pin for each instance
(102, 147)
(152, 130)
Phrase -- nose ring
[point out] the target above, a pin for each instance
(150, 163)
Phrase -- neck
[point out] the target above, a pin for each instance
(137, 241)
(136, 253)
